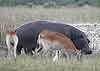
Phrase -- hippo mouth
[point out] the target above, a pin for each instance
(86, 52)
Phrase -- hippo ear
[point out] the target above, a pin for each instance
(88, 40)
(99, 36)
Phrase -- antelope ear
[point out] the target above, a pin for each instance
(41, 35)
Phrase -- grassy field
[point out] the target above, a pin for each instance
(13, 17)
(18, 15)
(28, 63)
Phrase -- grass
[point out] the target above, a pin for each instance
(28, 63)
(13, 17)
(17, 15)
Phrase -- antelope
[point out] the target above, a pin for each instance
(11, 42)
(56, 41)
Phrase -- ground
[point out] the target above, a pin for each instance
(37, 63)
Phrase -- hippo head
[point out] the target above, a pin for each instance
(84, 42)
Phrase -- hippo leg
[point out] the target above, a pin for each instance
(18, 50)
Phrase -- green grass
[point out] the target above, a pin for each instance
(28, 63)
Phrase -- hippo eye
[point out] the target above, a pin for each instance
(81, 36)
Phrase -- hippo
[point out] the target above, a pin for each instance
(28, 35)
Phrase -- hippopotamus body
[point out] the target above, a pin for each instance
(28, 35)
